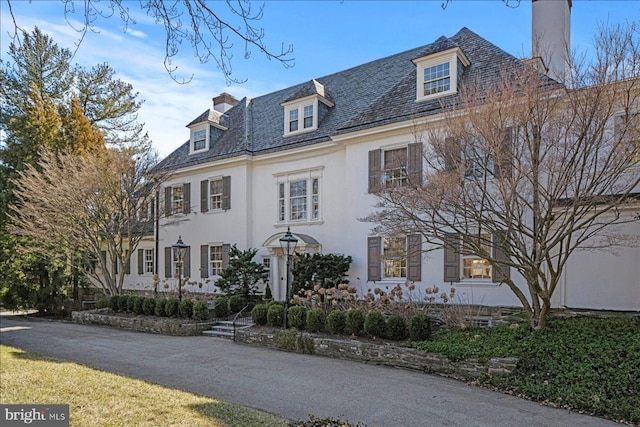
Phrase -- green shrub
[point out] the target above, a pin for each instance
(420, 327)
(221, 309)
(336, 321)
(296, 316)
(137, 305)
(131, 302)
(171, 307)
(375, 325)
(236, 303)
(270, 303)
(292, 340)
(161, 303)
(267, 293)
(316, 320)
(396, 327)
(259, 314)
(354, 322)
(104, 302)
(122, 302)
(186, 308)
(275, 315)
(113, 302)
(200, 310)
(148, 306)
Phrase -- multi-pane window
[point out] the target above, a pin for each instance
(178, 264)
(215, 260)
(177, 199)
(293, 120)
(474, 266)
(199, 139)
(299, 199)
(394, 255)
(437, 79)
(395, 167)
(215, 194)
(308, 116)
(627, 128)
(148, 260)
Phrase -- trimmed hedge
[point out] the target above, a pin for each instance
(396, 327)
(171, 307)
(316, 320)
(297, 317)
(148, 306)
(221, 309)
(236, 303)
(185, 308)
(275, 315)
(161, 303)
(354, 322)
(336, 320)
(420, 327)
(375, 325)
(259, 314)
(200, 310)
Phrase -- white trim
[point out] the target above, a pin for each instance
(451, 57)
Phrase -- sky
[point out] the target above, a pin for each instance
(327, 36)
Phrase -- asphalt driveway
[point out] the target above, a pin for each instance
(286, 384)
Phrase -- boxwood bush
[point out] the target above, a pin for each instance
(186, 308)
(137, 305)
(131, 301)
(297, 316)
(396, 327)
(236, 303)
(123, 302)
(336, 321)
(259, 314)
(171, 307)
(221, 309)
(113, 302)
(104, 302)
(161, 303)
(316, 319)
(375, 325)
(420, 327)
(354, 322)
(148, 306)
(275, 315)
(200, 310)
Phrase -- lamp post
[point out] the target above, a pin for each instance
(288, 244)
(180, 249)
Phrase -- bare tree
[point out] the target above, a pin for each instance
(93, 204)
(210, 31)
(525, 173)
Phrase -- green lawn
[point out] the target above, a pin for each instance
(582, 363)
(99, 398)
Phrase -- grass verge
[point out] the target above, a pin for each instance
(584, 363)
(100, 398)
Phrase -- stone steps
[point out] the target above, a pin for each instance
(224, 329)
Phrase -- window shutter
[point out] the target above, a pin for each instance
(500, 272)
(186, 201)
(451, 154)
(414, 257)
(226, 249)
(504, 160)
(226, 193)
(204, 205)
(451, 257)
(127, 263)
(414, 155)
(373, 258)
(167, 261)
(167, 201)
(204, 261)
(140, 261)
(375, 170)
(186, 262)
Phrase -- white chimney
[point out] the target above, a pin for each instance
(551, 36)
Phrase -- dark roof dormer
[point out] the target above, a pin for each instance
(439, 71)
(304, 111)
(205, 130)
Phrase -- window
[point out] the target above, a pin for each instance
(477, 162)
(215, 194)
(215, 260)
(395, 167)
(146, 261)
(301, 117)
(394, 258)
(627, 129)
(177, 199)
(473, 266)
(464, 259)
(293, 120)
(199, 139)
(437, 79)
(308, 116)
(172, 265)
(299, 199)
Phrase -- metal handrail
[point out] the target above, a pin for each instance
(241, 319)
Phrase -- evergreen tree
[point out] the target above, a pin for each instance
(242, 274)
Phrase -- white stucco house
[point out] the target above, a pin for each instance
(302, 159)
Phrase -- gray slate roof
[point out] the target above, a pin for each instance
(377, 93)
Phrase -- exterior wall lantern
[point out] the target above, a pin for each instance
(180, 248)
(288, 244)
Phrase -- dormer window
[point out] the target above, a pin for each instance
(199, 139)
(304, 111)
(296, 111)
(438, 74)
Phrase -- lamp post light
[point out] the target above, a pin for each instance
(180, 249)
(288, 244)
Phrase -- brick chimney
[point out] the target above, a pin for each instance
(551, 36)
(223, 102)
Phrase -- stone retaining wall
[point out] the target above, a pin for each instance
(157, 325)
(383, 354)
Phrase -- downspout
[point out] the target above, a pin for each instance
(156, 233)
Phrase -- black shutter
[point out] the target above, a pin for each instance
(127, 262)
(414, 161)
(375, 170)
(451, 153)
(140, 261)
(226, 193)
(167, 261)
(204, 205)
(500, 271)
(186, 262)
(374, 264)
(204, 261)
(226, 249)
(503, 166)
(167, 201)
(414, 257)
(186, 198)
(451, 257)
